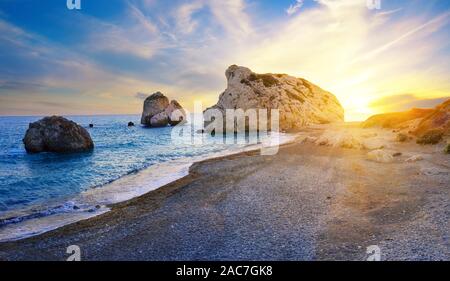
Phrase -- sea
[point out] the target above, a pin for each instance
(44, 191)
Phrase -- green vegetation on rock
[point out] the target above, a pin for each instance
(447, 148)
(267, 79)
(431, 137)
(402, 137)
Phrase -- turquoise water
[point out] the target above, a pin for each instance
(28, 179)
(39, 192)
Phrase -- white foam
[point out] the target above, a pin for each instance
(94, 202)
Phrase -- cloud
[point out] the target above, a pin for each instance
(184, 16)
(38, 77)
(142, 19)
(136, 36)
(434, 23)
(231, 16)
(293, 8)
(344, 47)
(141, 96)
(182, 48)
(405, 102)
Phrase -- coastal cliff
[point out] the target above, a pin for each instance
(299, 101)
(427, 124)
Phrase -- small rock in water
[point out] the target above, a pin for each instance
(130, 124)
(75, 207)
(91, 125)
(93, 209)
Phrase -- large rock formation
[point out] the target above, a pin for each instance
(438, 119)
(159, 112)
(300, 102)
(395, 120)
(153, 105)
(415, 121)
(57, 134)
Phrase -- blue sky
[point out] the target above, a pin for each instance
(103, 58)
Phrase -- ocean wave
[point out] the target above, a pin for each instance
(94, 201)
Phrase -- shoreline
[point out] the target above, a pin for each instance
(97, 201)
(155, 197)
(308, 202)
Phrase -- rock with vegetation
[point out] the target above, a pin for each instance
(433, 136)
(395, 120)
(159, 112)
(57, 134)
(447, 149)
(401, 137)
(438, 119)
(299, 101)
(429, 125)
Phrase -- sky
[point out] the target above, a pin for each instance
(108, 56)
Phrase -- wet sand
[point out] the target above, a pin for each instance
(308, 202)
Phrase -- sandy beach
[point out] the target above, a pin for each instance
(308, 202)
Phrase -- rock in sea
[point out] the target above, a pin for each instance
(57, 134)
(130, 124)
(159, 112)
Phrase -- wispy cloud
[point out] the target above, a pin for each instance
(184, 16)
(340, 46)
(405, 102)
(433, 24)
(136, 35)
(293, 8)
(141, 96)
(142, 19)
